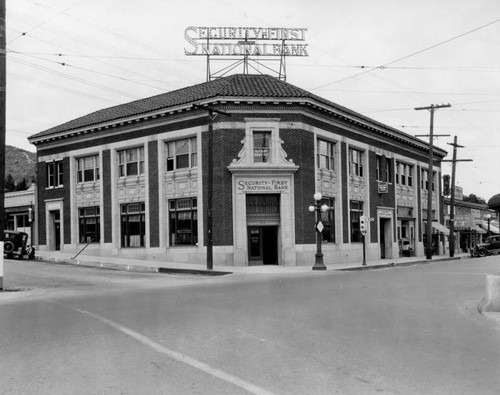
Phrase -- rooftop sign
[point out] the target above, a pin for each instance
(245, 41)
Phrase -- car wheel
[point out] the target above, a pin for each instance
(8, 247)
(482, 252)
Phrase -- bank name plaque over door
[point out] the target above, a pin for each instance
(263, 185)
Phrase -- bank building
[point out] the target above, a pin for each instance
(137, 179)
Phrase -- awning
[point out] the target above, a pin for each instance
(477, 229)
(440, 228)
(493, 228)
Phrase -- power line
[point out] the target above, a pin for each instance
(410, 55)
(77, 79)
(23, 34)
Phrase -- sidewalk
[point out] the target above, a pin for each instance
(135, 264)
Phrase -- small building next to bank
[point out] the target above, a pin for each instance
(133, 179)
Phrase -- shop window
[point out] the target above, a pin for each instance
(133, 224)
(131, 162)
(87, 169)
(261, 146)
(328, 220)
(355, 162)
(54, 174)
(183, 229)
(356, 211)
(89, 224)
(181, 154)
(325, 155)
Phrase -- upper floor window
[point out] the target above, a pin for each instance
(384, 169)
(54, 174)
(425, 180)
(182, 154)
(404, 174)
(325, 155)
(87, 169)
(131, 162)
(388, 169)
(261, 146)
(355, 162)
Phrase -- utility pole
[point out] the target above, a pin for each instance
(452, 200)
(432, 108)
(212, 114)
(3, 108)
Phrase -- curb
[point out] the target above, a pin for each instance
(202, 272)
(394, 264)
(133, 268)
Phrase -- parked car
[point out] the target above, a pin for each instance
(490, 247)
(16, 245)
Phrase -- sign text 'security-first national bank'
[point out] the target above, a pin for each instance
(253, 41)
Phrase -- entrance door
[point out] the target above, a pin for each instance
(385, 234)
(262, 245)
(56, 228)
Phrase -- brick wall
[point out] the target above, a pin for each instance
(299, 146)
(154, 219)
(106, 193)
(226, 145)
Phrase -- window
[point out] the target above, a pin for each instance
(325, 155)
(425, 180)
(54, 174)
(90, 224)
(378, 168)
(181, 154)
(404, 174)
(328, 221)
(261, 146)
(131, 162)
(384, 169)
(355, 162)
(356, 212)
(87, 169)
(183, 222)
(133, 224)
(388, 169)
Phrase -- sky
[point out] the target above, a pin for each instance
(384, 58)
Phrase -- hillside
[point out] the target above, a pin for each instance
(20, 164)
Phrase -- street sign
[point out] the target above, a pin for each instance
(320, 226)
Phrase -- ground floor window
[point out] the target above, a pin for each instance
(356, 211)
(328, 220)
(133, 224)
(89, 224)
(183, 225)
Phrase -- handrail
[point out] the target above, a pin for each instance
(86, 245)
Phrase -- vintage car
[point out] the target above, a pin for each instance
(16, 245)
(490, 247)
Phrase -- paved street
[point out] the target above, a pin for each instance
(404, 330)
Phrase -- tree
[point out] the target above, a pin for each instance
(22, 185)
(474, 199)
(10, 184)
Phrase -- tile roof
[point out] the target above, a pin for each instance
(234, 86)
(238, 85)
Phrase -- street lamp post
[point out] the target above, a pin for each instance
(318, 207)
(488, 218)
